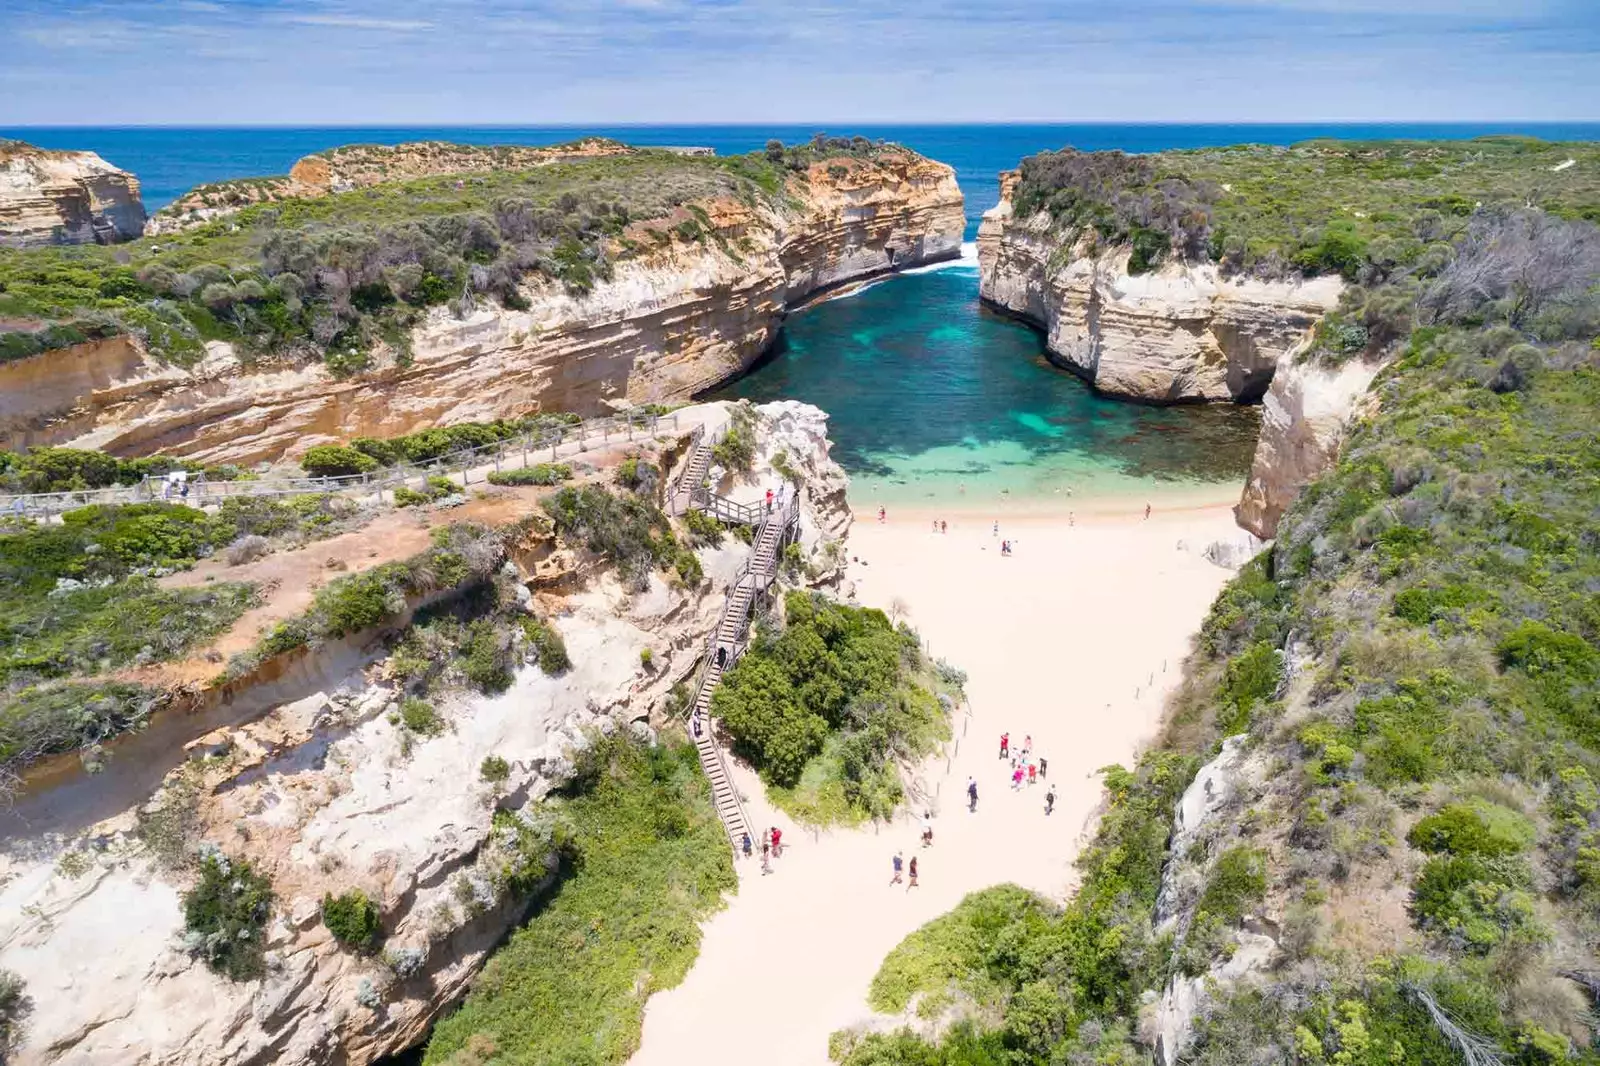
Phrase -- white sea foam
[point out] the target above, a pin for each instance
(967, 261)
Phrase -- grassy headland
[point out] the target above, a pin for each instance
(338, 276)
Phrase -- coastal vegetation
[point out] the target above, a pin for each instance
(643, 859)
(1414, 669)
(627, 528)
(827, 705)
(1362, 209)
(342, 277)
(225, 916)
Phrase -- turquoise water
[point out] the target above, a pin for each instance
(934, 400)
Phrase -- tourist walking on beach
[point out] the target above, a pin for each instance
(1027, 744)
(1050, 800)
(1005, 744)
(1016, 779)
(899, 861)
(944, 527)
(1147, 512)
(913, 883)
(1033, 774)
(883, 516)
(927, 829)
(1044, 764)
(766, 858)
(745, 845)
(996, 532)
(972, 796)
(777, 843)
(936, 525)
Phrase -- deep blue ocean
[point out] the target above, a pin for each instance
(933, 399)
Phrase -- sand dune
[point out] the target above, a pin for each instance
(1075, 640)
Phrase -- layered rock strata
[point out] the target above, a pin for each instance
(330, 793)
(65, 198)
(1177, 334)
(1303, 422)
(670, 323)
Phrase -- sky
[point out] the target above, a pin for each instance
(326, 62)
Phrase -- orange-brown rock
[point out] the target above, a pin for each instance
(65, 198)
(670, 323)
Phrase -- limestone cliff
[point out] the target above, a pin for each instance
(65, 198)
(1303, 424)
(1177, 334)
(328, 792)
(671, 322)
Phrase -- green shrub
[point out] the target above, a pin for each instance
(226, 914)
(638, 475)
(405, 496)
(487, 661)
(419, 717)
(50, 719)
(1477, 828)
(538, 474)
(546, 647)
(335, 460)
(1237, 883)
(704, 530)
(627, 529)
(834, 669)
(15, 1006)
(494, 769)
(352, 918)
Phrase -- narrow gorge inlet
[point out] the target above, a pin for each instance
(925, 596)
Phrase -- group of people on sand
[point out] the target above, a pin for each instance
(771, 847)
(898, 863)
(1025, 767)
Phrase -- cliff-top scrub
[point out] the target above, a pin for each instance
(1361, 209)
(343, 276)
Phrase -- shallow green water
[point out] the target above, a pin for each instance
(934, 400)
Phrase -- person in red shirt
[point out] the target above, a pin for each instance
(777, 842)
(1005, 744)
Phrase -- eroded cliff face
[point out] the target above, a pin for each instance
(1303, 422)
(669, 324)
(1178, 334)
(65, 198)
(329, 793)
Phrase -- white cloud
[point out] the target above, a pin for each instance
(357, 22)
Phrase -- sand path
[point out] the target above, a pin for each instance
(1076, 639)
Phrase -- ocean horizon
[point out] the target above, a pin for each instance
(171, 160)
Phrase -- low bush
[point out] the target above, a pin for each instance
(225, 915)
(638, 475)
(353, 919)
(546, 647)
(336, 460)
(419, 717)
(1479, 828)
(736, 450)
(537, 474)
(494, 769)
(628, 529)
(704, 530)
(15, 1007)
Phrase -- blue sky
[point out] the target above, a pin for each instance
(105, 62)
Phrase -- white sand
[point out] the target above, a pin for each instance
(1075, 639)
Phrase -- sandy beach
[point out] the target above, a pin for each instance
(1075, 640)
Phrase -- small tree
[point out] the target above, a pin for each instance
(352, 918)
(775, 151)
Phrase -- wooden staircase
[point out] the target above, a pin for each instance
(693, 475)
(744, 595)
